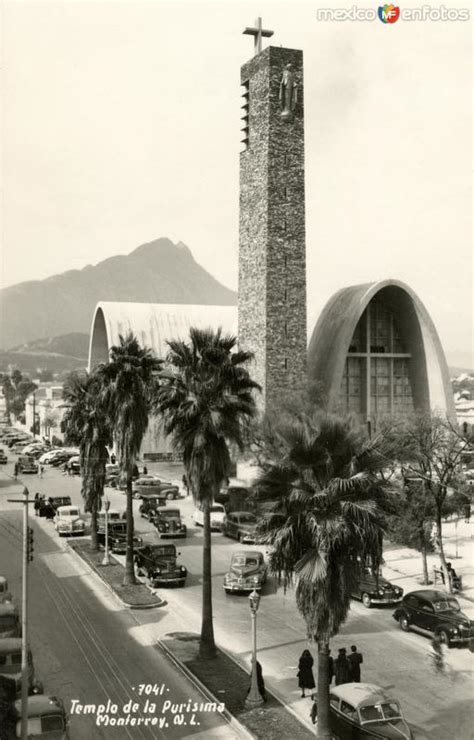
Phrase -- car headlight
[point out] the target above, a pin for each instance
(157, 571)
(455, 630)
(183, 569)
(255, 579)
(381, 592)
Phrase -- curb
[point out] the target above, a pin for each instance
(276, 694)
(109, 587)
(231, 720)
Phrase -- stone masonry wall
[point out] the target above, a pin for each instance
(272, 259)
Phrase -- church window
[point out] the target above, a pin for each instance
(245, 130)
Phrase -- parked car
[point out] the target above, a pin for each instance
(149, 506)
(242, 525)
(168, 522)
(27, 464)
(5, 594)
(46, 457)
(57, 501)
(111, 473)
(47, 718)
(62, 456)
(373, 588)
(159, 564)
(217, 514)
(362, 711)
(247, 572)
(3, 457)
(112, 516)
(68, 521)
(435, 613)
(10, 625)
(118, 537)
(150, 485)
(10, 665)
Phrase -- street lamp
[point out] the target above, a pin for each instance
(254, 699)
(106, 560)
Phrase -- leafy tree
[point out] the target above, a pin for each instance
(330, 494)
(16, 388)
(430, 448)
(87, 426)
(206, 399)
(126, 383)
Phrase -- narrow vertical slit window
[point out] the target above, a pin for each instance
(245, 130)
(285, 362)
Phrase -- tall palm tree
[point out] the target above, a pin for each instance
(205, 399)
(328, 490)
(86, 426)
(126, 387)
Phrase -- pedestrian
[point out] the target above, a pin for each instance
(185, 484)
(355, 659)
(305, 673)
(330, 667)
(16, 469)
(37, 504)
(342, 668)
(467, 512)
(145, 470)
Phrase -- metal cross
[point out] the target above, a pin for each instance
(257, 33)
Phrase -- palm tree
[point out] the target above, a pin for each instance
(328, 490)
(87, 427)
(205, 399)
(126, 386)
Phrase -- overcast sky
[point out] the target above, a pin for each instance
(121, 125)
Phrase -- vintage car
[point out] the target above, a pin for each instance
(217, 516)
(10, 665)
(362, 711)
(168, 522)
(54, 502)
(10, 625)
(151, 486)
(3, 457)
(433, 613)
(159, 564)
(149, 506)
(47, 718)
(27, 464)
(68, 521)
(5, 594)
(373, 588)
(247, 572)
(242, 525)
(112, 516)
(117, 532)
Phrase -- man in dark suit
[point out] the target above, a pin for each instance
(355, 660)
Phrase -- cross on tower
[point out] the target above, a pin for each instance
(257, 33)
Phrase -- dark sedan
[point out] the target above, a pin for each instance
(375, 589)
(435, 613)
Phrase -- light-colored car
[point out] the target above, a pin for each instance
(46, 718)
(68, 521)
(247, 572)
(217, 516)
(46, 458)
(242, 525)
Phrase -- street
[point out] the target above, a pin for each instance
(86, 647)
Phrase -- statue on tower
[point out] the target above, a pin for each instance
(288, 92)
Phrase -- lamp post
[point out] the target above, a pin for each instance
(254, 698)
(106, 560)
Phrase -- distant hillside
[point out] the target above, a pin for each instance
(57, 354)
(157, 272)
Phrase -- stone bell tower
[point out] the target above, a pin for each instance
(272, 250)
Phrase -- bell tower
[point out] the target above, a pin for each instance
(272, 241)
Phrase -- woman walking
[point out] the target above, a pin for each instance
(305, 673)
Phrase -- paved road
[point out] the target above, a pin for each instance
(86, 647)
(438, 707)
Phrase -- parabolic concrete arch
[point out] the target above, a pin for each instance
(154, 324)
(375, 351)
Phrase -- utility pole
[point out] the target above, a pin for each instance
(34, 415)
(27, 555)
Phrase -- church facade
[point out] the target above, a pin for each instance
(374, 351)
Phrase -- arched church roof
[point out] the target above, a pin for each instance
(153, 324)
(329, 344)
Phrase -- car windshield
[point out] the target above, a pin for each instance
(8, 621)
(247, 519)
(244, 560)
(170, 513)
(217, 509)
(70, 512)
(446, 605)
(166, 550)
(380, 712)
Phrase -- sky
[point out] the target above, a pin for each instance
(121, 125)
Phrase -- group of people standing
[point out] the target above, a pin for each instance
(345, 669)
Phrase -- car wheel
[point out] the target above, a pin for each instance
(403, 622)
(444, 638)
(170, 496)
(366, 600)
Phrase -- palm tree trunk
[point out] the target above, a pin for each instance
(207, 648)
(323, 731)
(442, 556)
(94, 538)
(129, 575)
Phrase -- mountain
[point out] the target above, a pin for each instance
(56, 355)
(157, 272)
